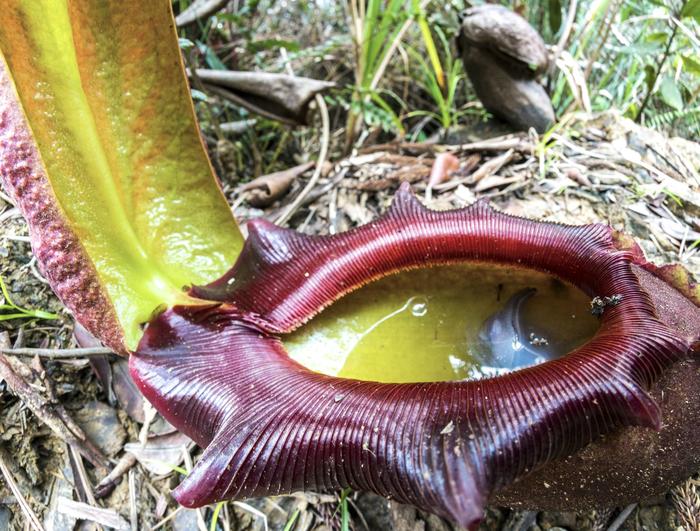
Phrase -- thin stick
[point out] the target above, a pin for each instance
(84, 481)
(564, 38)
(26, 509)
(608, 19)
(624, 515)
(252, 510)
(501, 143)
(387, 57)
(133, 511)
(110, 480)
(394, 45)
(322, 155)
(82, 476)
(49, 415)
(325, 141)
(58, 353)
(199, 10)
(188, 466)
(684, 29)
(167, 518)
(659, 68)
(488, 168)
(226, 521)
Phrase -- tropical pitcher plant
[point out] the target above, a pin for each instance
(268, 352)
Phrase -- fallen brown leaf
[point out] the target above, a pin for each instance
(267, 189)
(444, 165)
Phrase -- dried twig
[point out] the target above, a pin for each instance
(564, 38)
(412, 148)
(167, 518)
(624, 515)
(84, 483)
(57, 353)
(659, 67)
(107, 483)
(188, 466)
(252, 510)
(266, 189)
(501, 143)
(226, 519)
(576, 80)
(199, 10)
(24, 505)
(133, 509)
(325, 141)
(47, 413)
(490, 167)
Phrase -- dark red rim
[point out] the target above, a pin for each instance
(221, 375)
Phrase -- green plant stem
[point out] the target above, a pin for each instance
(344, 512)
(659, 68)
(215, 516)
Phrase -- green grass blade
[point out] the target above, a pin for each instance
(215, 516)
(431, 49)
(290, 523)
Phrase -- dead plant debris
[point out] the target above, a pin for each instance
(78, 450)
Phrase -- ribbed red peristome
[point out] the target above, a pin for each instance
(221, 375)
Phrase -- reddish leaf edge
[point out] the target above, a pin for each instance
(268, 425)
(61, 256)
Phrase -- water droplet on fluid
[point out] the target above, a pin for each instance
(419, 307)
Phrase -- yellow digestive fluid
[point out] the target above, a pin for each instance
(433, 324)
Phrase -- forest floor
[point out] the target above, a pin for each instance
(594, 169)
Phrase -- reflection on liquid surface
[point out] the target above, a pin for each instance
(445, 323)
